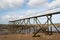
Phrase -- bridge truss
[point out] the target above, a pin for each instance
(42, 28)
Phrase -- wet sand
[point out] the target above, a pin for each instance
(55, 36)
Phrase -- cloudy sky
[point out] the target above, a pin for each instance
(16, 9)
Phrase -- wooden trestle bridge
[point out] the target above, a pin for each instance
(41, 27)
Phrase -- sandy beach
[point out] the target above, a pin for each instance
(55, 36)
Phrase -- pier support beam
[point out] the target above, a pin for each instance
(50, 24)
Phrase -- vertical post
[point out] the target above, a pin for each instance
(49, 19)
(35, 22)
(29, 24)
(48, 24)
